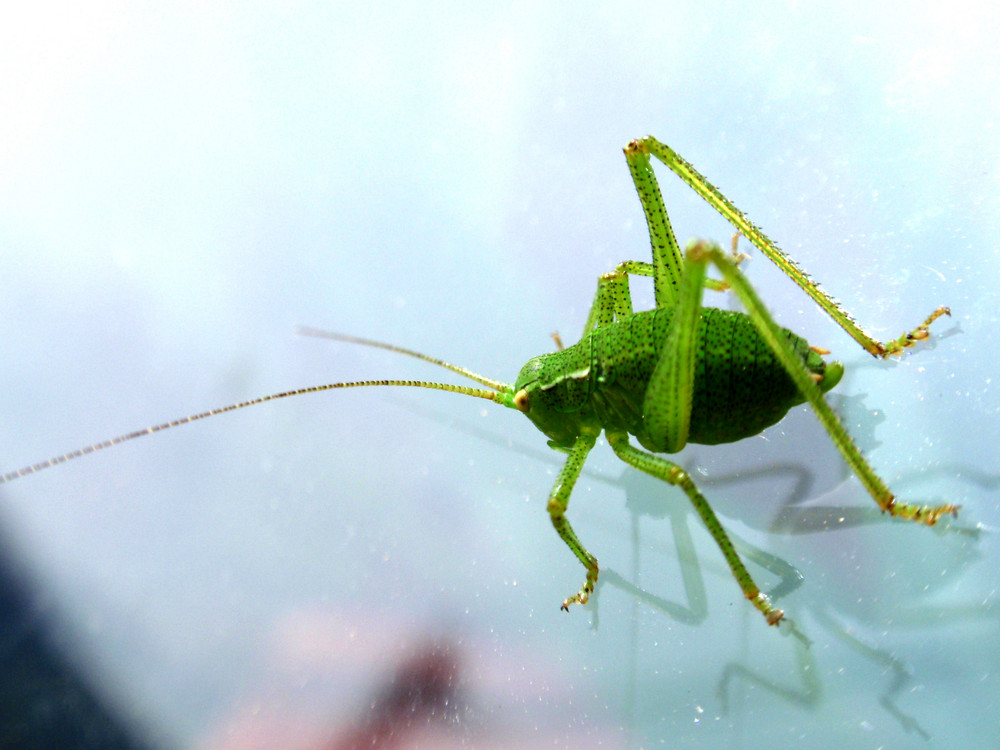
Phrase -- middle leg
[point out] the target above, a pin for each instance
(673, 474)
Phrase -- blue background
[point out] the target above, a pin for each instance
(181, 186)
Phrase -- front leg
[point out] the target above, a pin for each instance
(557, 505)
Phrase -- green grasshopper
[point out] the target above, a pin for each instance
(680, 373)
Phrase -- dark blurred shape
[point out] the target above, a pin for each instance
(422, 690)
(44, 702)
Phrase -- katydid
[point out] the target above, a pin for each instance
(680, 373)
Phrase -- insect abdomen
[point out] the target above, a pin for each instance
(740, 388)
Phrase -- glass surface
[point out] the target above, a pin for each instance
(180, 188)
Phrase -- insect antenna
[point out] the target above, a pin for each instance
(322, 334)
(500, 393)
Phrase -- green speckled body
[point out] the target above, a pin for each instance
(600, 383)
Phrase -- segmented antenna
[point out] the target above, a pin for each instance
(321, 334)
(500, 393)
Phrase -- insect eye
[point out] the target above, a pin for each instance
(521, 400)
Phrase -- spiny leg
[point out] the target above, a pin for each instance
(668, 265)
(557, 505)
(666, 405)
(613, 299)
(638, 152)
(738, 257)
(701, 253)
(675, 475)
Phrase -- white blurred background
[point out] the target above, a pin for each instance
(182, 185)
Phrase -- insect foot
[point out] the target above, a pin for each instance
(773, 615)
(920, 333)
(928, 514)
(583, 595)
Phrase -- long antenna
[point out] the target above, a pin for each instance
(321, 334)
(500, 393)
